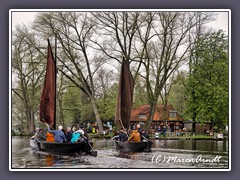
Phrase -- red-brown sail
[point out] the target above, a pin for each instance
(48, 103)
(125, 97)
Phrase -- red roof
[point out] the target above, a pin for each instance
(158, 114)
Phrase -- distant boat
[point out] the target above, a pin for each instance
(133, 146)
(123, 111)
(48, 115)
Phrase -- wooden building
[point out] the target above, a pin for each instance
(199, 127)
(172, 121)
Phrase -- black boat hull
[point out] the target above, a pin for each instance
(134, 146)
(63, 148)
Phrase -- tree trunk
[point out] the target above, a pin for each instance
(61, 116)
(31, 124)
(97, 115)
(150, 118)
(29, 129)
(194, 122)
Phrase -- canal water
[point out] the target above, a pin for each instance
(166, 154)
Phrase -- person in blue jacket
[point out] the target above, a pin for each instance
(58, 134)
(76, 135)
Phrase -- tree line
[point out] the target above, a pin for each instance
(173, 57)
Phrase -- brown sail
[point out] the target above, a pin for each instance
(48, 103)
(125, 97)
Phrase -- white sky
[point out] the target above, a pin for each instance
(22, 17)
(221, 22)
(27, 17)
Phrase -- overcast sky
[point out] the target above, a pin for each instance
(27, 17)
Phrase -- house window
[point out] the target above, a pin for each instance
(141, 116)
(173, 114)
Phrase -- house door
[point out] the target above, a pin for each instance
(171, 127)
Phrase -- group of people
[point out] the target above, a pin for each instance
(159, 130)
(60, 135)
(137, 135)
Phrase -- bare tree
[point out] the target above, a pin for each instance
(26, 70)
(168, 52)
(61, 88)
(80, 63)
(125, 34)
(119, 36)
(104, 81)
(155, 44)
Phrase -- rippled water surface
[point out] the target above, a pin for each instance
(165, 154)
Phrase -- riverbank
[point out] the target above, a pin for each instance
(168, 137)
(188, 138)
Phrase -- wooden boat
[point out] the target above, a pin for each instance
(34, 144)
(63, 148)
(134, 146)
(48, 115)
(123, 111)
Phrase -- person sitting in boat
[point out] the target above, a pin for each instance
(82, 135)
(39, 135)
(115, 136)
(145, 135)
(69, 134)
(85, 131)
(76, 136)
(58, 134)
(135, 136)
(61, 128)
(122, 136)
(50, 136)
(139, 129)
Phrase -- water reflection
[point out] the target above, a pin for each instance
(50, 160)
(109, 157)
(102, 143)
(203, 145)
(128, 155)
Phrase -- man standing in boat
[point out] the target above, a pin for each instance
(58, 134)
